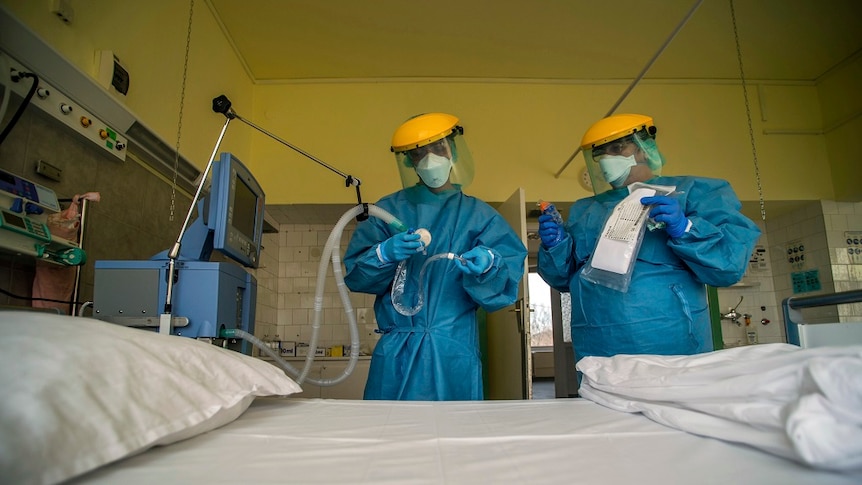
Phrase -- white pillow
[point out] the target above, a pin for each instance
(78, 393)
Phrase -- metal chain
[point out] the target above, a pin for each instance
(748, 113)
(182, 103)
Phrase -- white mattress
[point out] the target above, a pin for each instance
(550, 441)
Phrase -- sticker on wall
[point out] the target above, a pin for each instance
(795, 254)
(854, 246)
(805, 281)
(757, 262)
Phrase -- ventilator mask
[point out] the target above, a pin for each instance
(434, 170)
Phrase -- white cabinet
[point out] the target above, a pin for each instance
(352, 387)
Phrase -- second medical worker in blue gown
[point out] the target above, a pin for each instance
(705, 241)
(434, 354)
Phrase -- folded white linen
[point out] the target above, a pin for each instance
(802, 404)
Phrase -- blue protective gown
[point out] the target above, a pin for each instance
(434, 355)
(665, 309)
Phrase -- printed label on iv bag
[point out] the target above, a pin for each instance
(619, 236)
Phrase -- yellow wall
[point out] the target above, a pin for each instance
(842, 105)
(520, 133)
(149, 38)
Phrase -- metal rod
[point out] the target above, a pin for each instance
(77, 288)
(350, 179)
(175, 250)
(839, 298)
(793, 316)
(639, 76)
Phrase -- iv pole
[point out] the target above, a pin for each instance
(165, 319)
(222, 104)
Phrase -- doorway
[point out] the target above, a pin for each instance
(543, 307)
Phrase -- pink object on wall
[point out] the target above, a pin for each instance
(52, 281)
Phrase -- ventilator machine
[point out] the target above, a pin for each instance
(216, 300)
(207, 296)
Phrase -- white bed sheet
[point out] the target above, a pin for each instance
(292, 440)
(801, 404)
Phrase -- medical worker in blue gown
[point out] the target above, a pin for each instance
(434, 354)
(705, 240)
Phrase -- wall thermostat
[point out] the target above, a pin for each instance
(112, 75)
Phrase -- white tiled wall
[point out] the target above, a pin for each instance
(290, 261)
(844, 238)
(757, 293)
(821, 230)
(286, 307)
(266, 314)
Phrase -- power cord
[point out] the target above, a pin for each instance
(17, 76)
(30, 298)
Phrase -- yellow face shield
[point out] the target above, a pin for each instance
(436, 134)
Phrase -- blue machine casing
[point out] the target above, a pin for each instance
(209, 296)
(206, 296)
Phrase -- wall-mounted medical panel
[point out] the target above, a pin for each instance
(53, 102)
(24, 45)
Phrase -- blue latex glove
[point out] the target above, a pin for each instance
(550, 232)
(400, 247)
(476, 261)
(666, 209)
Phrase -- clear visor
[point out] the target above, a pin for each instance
(620, 162)
(453, 147)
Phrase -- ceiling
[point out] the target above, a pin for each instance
(562, 40)
(293, 41)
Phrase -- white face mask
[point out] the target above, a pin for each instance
(616, 168)
(434, 170)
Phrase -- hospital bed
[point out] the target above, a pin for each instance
(807, 334)
(86, 401)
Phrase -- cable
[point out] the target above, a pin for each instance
(748, 112)
(4, 81)
(15, 77)
(30, 298)
(180, 117)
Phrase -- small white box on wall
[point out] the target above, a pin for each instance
(113, 76)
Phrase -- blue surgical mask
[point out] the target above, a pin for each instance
(616, 168)
(434, 170)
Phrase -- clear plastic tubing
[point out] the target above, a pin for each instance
(331, 251)
(397, 293)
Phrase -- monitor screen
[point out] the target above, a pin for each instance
(244, 209)
(236, 207)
